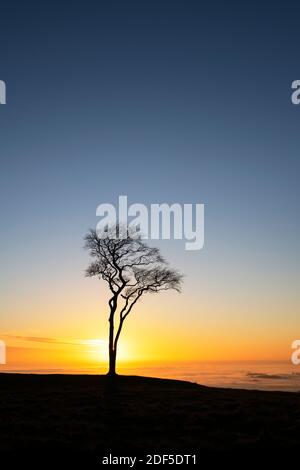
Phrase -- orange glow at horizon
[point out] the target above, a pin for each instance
(93, 353)
(169, 328)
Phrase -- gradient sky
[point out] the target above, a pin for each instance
(164, 102)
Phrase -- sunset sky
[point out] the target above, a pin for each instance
(162, 102)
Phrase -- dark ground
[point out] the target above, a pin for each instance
(141, 415)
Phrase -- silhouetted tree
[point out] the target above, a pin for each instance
(131, 269)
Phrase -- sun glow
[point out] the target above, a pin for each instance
(97, 350)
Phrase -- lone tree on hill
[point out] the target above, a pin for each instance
(131, 268)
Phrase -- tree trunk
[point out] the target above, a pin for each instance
(112, 350)
(112, 362)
